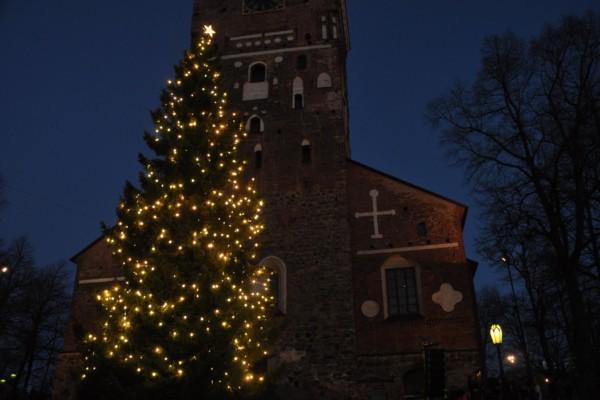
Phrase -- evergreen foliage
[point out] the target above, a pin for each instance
(190, 317)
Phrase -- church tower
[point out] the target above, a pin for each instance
(283, 64)
(374, 291)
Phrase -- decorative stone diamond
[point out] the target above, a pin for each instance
(447, 297)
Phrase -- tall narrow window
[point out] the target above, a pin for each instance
(258, 72)
(255, 125)
(401, 285)
(274, 282)
(301, 62)
(277, 281)
(334, 27)
(298, 101)
(258, 156)
(306, 152)
(298, 93)
(422, 229)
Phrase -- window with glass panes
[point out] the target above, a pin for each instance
(401, 287)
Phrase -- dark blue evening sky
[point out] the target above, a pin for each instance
(77, 79)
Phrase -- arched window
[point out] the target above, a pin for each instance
(257, 72)
(258, 156)
(278, 280)
(298, 92)
(324, 80)
(401, 287)
(255, 124)
(306, 151)
(301, 62)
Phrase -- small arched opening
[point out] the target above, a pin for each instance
(257, 72)
(255, 125)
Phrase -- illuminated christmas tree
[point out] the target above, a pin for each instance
(191, 313)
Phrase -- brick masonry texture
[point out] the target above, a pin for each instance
(327, 348)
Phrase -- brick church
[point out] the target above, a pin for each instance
(371, 269)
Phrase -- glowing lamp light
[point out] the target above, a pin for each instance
(511, 358)
(496, 334)
(4, 270)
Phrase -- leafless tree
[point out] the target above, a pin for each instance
(16, 273)
(33, 310)
(528, 133)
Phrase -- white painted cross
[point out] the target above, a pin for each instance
(375, 214)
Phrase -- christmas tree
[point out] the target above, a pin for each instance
(191, 313)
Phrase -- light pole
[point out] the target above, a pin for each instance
(521, 332)
(496, 336)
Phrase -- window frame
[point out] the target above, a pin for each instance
(261, 126)
(277, 265)
(251, 67)
(398, 262)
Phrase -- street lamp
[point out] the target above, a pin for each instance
(4, 269)
(511, 358)
(496, 336)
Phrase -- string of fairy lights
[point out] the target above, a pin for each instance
(186, 242)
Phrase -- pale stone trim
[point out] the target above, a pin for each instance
(255, 35)
(276, 33)
(408, 248)
(275, 51)
(324, 80)
(262, 123)
(101, 280)
(255, 91)
(375, 214)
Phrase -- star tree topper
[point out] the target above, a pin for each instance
(208, 30)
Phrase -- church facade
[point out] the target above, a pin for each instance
(371, 270)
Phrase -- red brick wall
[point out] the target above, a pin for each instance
(310, 221)
(456, 330)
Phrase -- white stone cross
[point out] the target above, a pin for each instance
(375, 214)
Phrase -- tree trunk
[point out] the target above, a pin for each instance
(588, 385)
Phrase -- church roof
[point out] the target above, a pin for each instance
(74, 258)
(412, 185)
